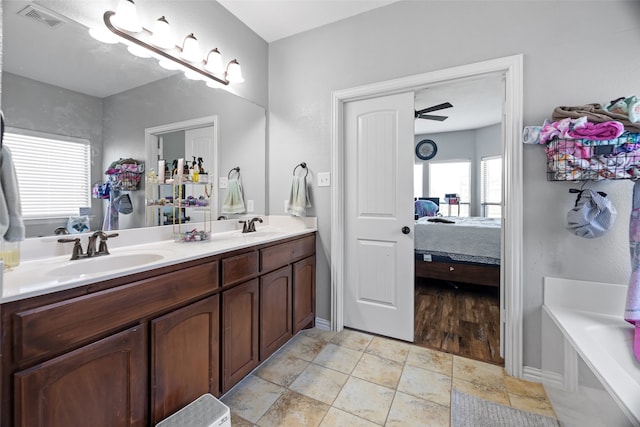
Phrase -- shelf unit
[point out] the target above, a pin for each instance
(178, 203)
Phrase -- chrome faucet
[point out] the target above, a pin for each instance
(250, 226)
(77, 247)
(91, 245)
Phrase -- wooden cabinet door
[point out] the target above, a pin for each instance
(304, 293)
(185, 356)
(275, 310)
(239, 332)
(100, 384)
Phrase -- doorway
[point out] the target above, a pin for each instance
(511, 235)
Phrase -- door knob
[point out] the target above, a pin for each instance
(406, 230)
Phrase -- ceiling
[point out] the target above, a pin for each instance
(476, 103)
(276, 19)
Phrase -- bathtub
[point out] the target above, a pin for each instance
(590, 317)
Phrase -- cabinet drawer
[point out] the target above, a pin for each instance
(279, 255)
(239, 268)
(57, 327)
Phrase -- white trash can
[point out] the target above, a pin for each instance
(205, 411)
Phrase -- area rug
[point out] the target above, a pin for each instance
(471, 411)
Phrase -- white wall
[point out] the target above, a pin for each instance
(574, 53)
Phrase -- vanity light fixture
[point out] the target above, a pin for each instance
(188, 57)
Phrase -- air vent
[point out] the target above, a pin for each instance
(41, 16)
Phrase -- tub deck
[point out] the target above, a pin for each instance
(590, 316)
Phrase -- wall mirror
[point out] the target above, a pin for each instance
(56, 79)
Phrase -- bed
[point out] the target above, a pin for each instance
(458, 249)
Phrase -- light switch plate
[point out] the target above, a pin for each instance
(223, 182)
(286, 205)
(249, 205)
(324, 179)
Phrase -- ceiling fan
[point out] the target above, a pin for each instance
(420, 114)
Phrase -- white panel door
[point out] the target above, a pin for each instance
(199, 143)
(379, 264)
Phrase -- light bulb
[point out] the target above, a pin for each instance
(139, 51)
(162, 34)
(169, 65)
(126, 17)
(214, 62)
(192, 75)
(191, 49)
(234, 73)
(102, 35)
(214, 84)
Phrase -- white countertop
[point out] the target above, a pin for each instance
(40, 275)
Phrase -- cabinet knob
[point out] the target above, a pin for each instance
(451, 268)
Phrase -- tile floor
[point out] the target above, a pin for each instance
(323, 378)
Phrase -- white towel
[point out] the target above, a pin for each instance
(11, 224)
(299, 197)
(234, 200)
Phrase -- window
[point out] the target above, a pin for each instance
(417, 180)
(53, 171)
(451, 177)
(491, 187)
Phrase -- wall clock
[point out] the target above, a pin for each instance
(426, 149)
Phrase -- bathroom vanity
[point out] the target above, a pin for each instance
(132, 349)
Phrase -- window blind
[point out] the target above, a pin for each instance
(54, 173)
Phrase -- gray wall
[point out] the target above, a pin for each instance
(470, 145)
(569, 59)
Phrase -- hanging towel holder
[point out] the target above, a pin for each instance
(302, 165)
(236, 169)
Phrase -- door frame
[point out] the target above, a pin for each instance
(511, 271)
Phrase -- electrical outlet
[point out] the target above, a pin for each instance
(249, 205)
(286, 205)
(223, 182)
(324, 179)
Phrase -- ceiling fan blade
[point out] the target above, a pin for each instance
(432, 117)
(436, 108)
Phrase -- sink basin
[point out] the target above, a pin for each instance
(261, 234)
(104, 263)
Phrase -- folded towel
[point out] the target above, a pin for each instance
(11, 224)
(234, 200)
(298, 198)
(531, 135)
(632, 306)
(598, 131)
(595, 113)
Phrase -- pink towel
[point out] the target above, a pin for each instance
(597, 131)
(632, 306)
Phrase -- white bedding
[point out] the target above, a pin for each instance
(467, 239)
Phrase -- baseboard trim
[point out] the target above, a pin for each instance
(550, 378)
(323, 324)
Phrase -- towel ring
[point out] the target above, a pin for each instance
(1, 128)
(236, 169)
(303, 165)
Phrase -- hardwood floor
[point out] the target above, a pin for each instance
(462, 320)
